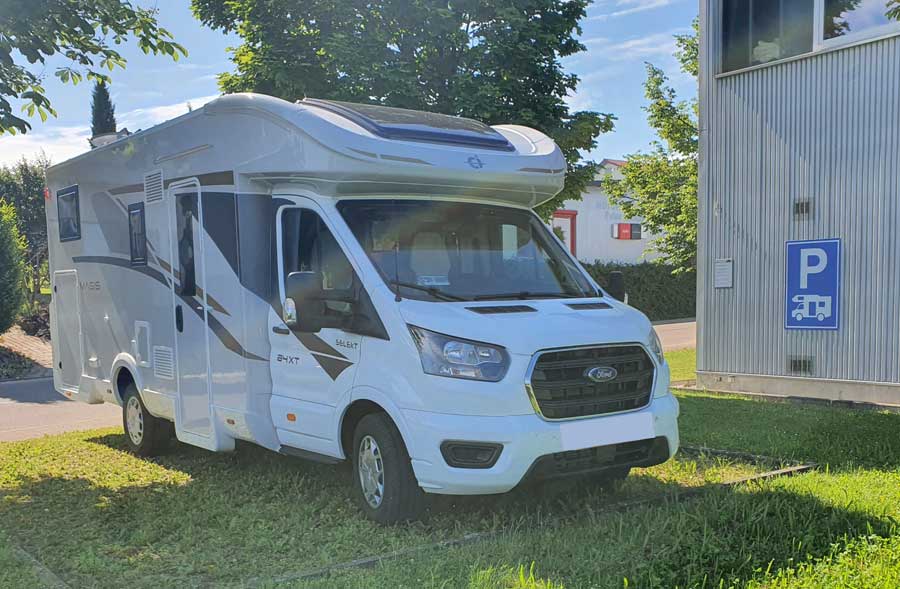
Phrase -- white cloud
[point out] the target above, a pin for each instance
(58, 142)
(626, 7)
(142, 118)
(636, 48)
(61, 142)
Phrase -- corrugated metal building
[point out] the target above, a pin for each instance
(800, 141)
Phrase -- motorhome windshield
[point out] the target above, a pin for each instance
(443, 251)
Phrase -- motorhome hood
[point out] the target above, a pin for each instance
(552, 324)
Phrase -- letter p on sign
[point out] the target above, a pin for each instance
(807, 267)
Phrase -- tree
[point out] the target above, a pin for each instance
(661, 186)
(12, 249)
(22, 186)
(498, 62)
(103, 113)
(33, 30)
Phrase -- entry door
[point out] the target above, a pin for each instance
(67, 339)
(314, 367)
(190, 312)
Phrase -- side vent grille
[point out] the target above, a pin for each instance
(802, 365)
(499, 309)
(802, 208)
(163, 362)
(153, 186)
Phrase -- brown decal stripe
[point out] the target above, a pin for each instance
(317, 345)
(332, 366)
(219, 330)
(224, 178)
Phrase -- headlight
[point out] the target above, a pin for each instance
(453, 357)
(657, 351)
(656, 347)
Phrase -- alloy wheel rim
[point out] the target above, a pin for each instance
(371, 471)
(134, 419)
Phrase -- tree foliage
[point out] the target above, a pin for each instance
(661, 186)
(495, 61)
(12, 250)
(22, 186)
(103, 113)
(84, 33)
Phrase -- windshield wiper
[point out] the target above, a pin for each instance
(527, 295)
(435, 292)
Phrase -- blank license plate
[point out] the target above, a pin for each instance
(614, 429)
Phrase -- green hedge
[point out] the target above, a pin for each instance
(653, 288)
(12, 267)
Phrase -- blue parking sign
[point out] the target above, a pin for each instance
(813, 278)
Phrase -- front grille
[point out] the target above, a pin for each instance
(637, 453)
(562, 390)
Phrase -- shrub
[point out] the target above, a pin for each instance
(12, 267)
(653, 288)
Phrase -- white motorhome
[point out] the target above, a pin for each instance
(348, 282)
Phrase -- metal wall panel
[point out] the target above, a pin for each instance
(824, 127)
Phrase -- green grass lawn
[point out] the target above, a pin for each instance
(682, 364)
(99, 517)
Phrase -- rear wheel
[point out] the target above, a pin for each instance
(145, 434)
(383, 479)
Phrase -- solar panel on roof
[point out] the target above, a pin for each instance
(416, 125)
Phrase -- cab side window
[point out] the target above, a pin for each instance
(309, 246)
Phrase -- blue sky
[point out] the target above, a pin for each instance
(620, 36)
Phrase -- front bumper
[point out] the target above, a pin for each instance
(525, 439)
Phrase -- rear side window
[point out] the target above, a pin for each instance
(68, 213)
(186, 211)
(137, 234)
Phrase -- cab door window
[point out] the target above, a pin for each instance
(309, 246)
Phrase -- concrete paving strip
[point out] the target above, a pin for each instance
(473, 538)
(47, 578)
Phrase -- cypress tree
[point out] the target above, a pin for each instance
(103, 113)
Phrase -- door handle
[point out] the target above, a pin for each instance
(281, 330)
(179, 319)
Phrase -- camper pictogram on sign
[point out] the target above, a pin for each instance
(813, 280)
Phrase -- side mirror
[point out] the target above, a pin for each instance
(616, 286)
(304, 308)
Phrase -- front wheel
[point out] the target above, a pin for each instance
(145, 434)
(384, 483)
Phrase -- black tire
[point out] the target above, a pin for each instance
(401, 498)
(611, 480)
(154, 434)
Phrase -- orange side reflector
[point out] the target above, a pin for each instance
(291, 417)
(46, 193)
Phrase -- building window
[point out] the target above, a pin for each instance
(68, 213)
(627, 231)
(760, 31)
(847, 21)
(137, 234)
(756, 32)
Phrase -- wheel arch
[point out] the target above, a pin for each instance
(124, 371)
(365, 401)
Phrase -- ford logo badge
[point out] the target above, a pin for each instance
(601, 373)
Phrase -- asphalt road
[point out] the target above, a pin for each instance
(677, 336)
(31, 408)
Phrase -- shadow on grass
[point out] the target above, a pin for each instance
(844, 439)
(194, 517)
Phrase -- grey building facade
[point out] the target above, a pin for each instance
(800, 142)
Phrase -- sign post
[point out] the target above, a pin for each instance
(813, 284)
